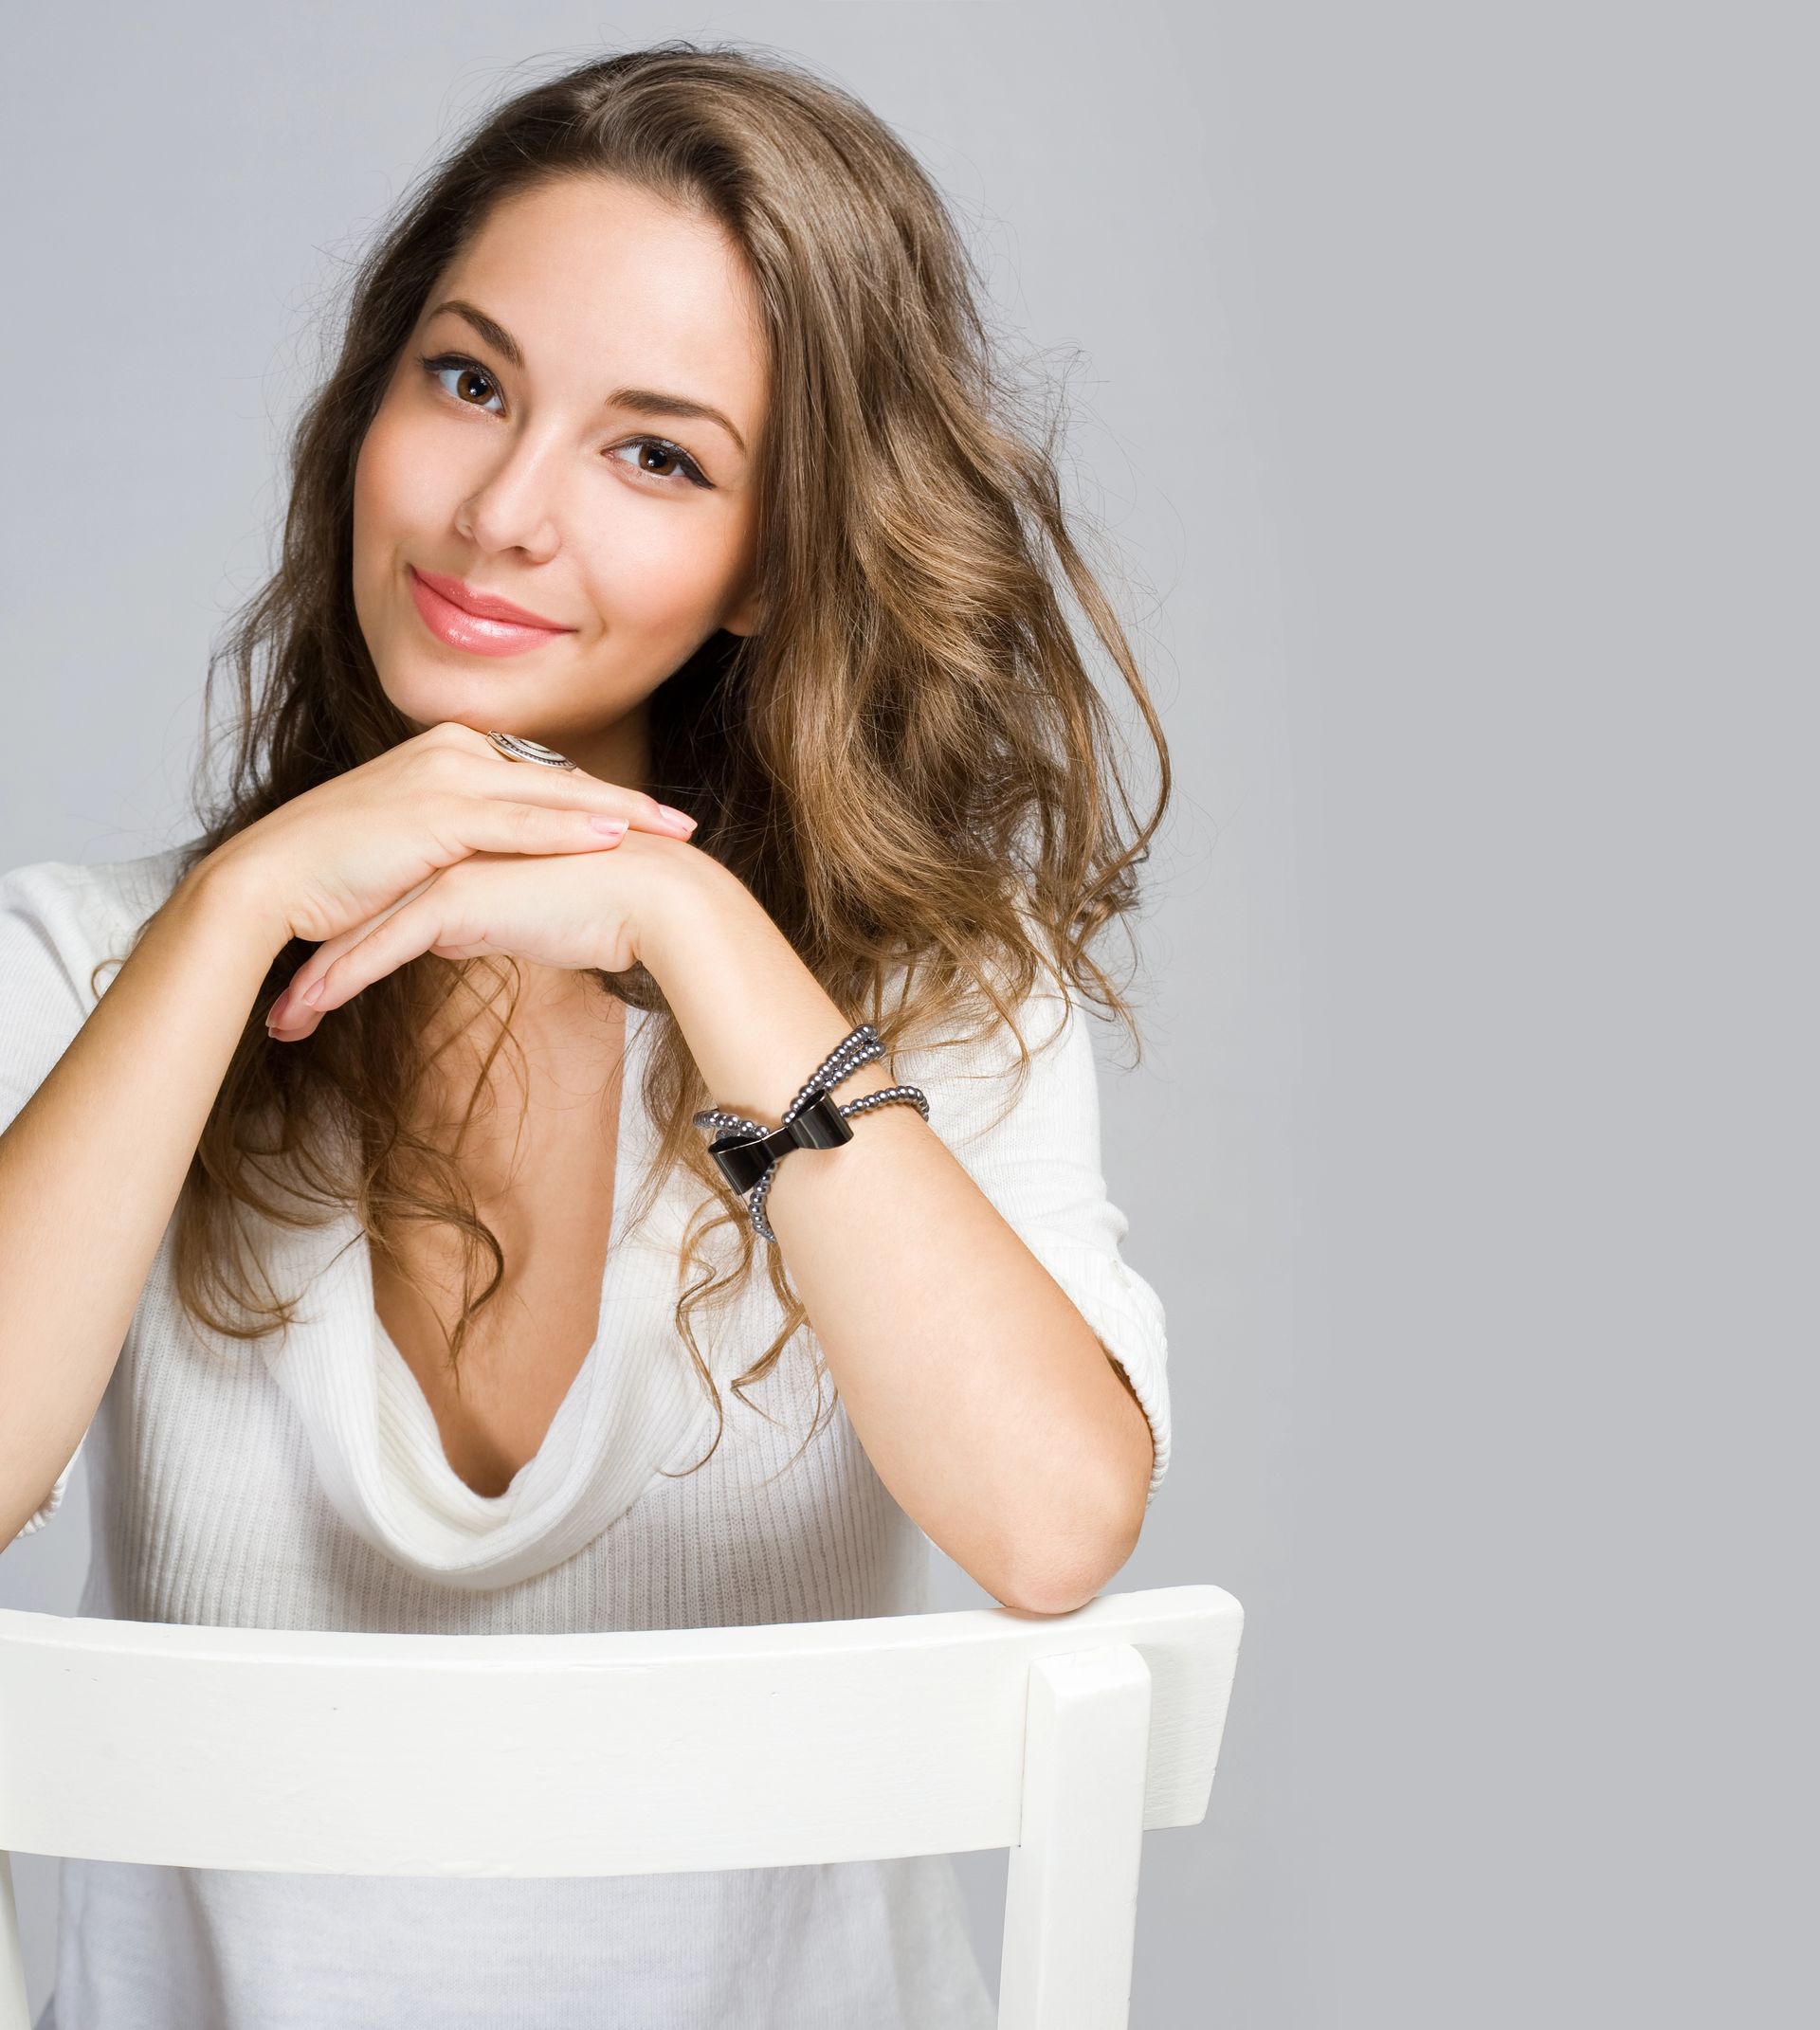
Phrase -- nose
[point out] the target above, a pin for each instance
(515, 506)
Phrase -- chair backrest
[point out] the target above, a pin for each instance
(1063, 1737)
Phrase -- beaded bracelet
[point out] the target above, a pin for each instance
(749, 1153)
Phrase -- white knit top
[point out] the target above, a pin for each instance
(300, 1482)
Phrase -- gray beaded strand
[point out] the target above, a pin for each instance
(858, 1046)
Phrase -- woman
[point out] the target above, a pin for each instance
(663, 441)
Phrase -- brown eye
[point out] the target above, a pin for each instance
(665, 454)
(466, 371)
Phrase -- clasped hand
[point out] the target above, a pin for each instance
(438, 846)
(575, 910)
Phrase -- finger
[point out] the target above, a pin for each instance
(331, 948)
(486, 825)
(404, 933)
(285, 1010)
(571, 786)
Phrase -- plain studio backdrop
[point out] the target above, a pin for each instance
(1442, 379)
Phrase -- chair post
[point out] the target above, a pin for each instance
(1071, 1882)
(15, 2008)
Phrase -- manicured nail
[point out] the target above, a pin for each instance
(612, 827)
(675, 817)
(311, 993)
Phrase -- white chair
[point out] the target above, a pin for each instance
(1063, 1737)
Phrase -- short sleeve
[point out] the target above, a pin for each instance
(1033, 1148)
(58, 919)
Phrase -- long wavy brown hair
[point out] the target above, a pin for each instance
(909, 766)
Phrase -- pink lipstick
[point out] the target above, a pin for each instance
(481, 623)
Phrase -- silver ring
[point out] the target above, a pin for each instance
(516, 748)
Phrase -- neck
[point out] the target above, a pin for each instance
(619, 753)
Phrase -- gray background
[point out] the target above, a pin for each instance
(1443, 377)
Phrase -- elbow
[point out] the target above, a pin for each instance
(1099, 1504)
(1048, 1601)
(1059, 1593)
(1055, 1586)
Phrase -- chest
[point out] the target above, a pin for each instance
(546, 1189)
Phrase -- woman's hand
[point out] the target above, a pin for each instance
(571, 910)
(363, 843)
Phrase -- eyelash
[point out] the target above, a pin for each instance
(441, 362)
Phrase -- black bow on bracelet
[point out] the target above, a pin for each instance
(748, 1152)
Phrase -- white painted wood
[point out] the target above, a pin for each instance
(628, 1753)
(15, 2013)
(1071, 1890)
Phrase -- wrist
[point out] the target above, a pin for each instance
(228, 886)
(698, 899)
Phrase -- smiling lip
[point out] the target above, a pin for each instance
(480, 622)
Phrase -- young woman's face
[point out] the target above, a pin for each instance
(563, 480)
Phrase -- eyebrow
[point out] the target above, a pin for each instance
(648, 401)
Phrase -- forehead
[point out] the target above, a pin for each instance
(602, 281)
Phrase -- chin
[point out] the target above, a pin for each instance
(427, 696)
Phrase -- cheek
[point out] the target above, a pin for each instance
(665, 571)
(386, 521)
(382, 481)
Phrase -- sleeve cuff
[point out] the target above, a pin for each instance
(1127, 1318)
(54, 1500)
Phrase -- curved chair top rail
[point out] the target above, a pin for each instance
(598, 1753)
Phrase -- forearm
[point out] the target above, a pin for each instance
(91, 1169)
(983, 1399)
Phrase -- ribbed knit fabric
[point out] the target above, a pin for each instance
(300, 1483)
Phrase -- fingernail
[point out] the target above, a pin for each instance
(675, 817)
(311, 993)
(612, 827)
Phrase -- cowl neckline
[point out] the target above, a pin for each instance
(635, 1407)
